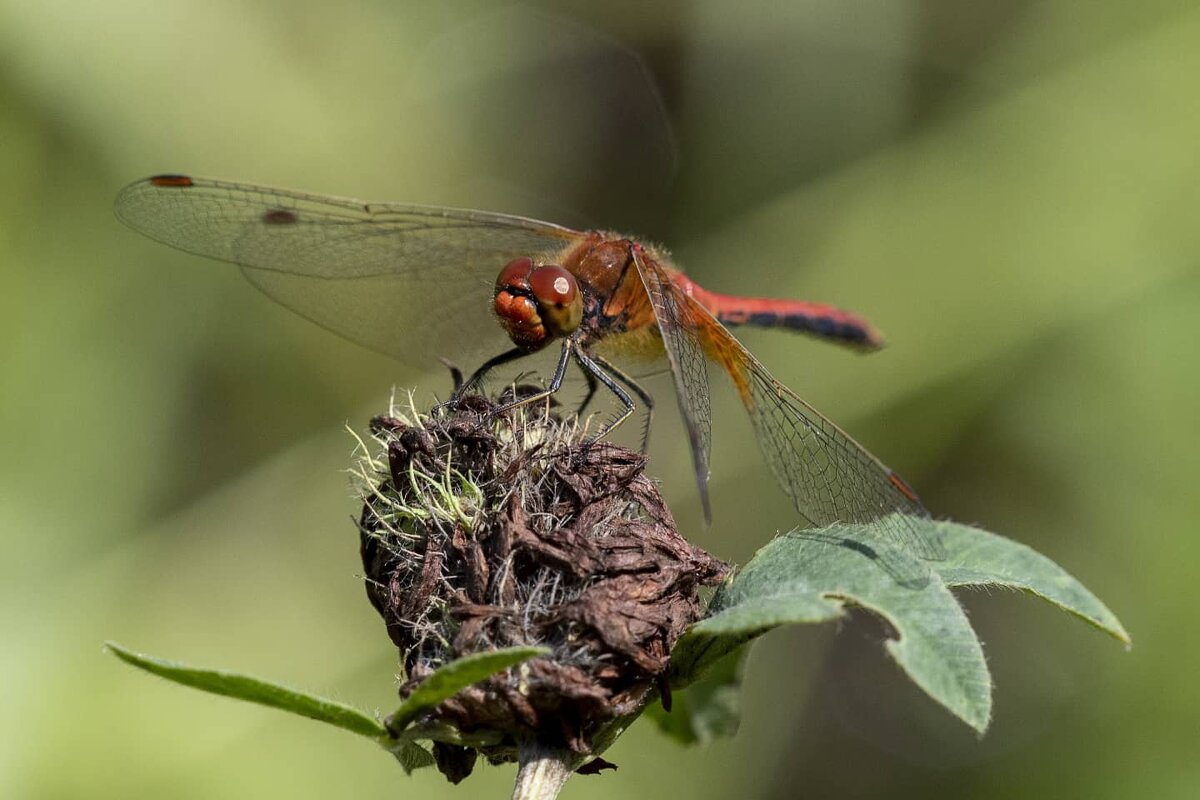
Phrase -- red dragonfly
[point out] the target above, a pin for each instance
(411, 280)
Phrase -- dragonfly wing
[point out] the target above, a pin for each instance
(678, 324)
(400, 279)
(829, 476)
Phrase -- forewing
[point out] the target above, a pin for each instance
(414, 282)
(829, 476)
(678, 323)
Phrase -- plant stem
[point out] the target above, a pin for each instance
(542, 772)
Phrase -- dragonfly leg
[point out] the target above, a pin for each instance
(472, 383)
(560, 370)
(456, 375)
(634, 387)
(589, 365)
(592, 385)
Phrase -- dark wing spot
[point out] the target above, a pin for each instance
(279, 216)
(171, 180)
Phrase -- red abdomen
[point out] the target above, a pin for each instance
(818, 319)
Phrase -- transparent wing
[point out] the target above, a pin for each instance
(829, 476)
(414, 282)
(679, 325)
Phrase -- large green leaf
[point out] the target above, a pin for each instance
(979, 558)
(811, 576)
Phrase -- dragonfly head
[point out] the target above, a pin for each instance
(536, 304)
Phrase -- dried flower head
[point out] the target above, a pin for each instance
(482, 531)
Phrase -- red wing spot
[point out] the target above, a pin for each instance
(170, 180)
(904, 488)
(279, 216)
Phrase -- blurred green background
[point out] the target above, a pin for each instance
(1008, 189)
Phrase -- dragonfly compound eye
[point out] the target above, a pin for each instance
(558, 297)
(517, 308)
(515, 276)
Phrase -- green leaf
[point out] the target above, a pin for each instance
(434, 731)
(254, 690)
(441, 684)
(708, 709)
(979, 558)
(411, 756)
(796, 578)
(456, 676)
(810, 576)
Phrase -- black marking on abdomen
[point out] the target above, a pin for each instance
(827, 327)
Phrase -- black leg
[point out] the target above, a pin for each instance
(592, 384)
(472, 383)
(555, 382)
(596, 370)
(590, 366)
(456, 375)
(634, 387)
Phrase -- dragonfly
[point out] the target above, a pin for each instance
(411, 281)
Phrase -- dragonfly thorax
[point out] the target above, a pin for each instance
(536, 304)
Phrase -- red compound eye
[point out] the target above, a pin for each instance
(553, 286)
(515, 274)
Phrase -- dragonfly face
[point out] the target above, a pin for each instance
(537, 304)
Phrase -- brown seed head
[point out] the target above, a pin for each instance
(480, 532)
